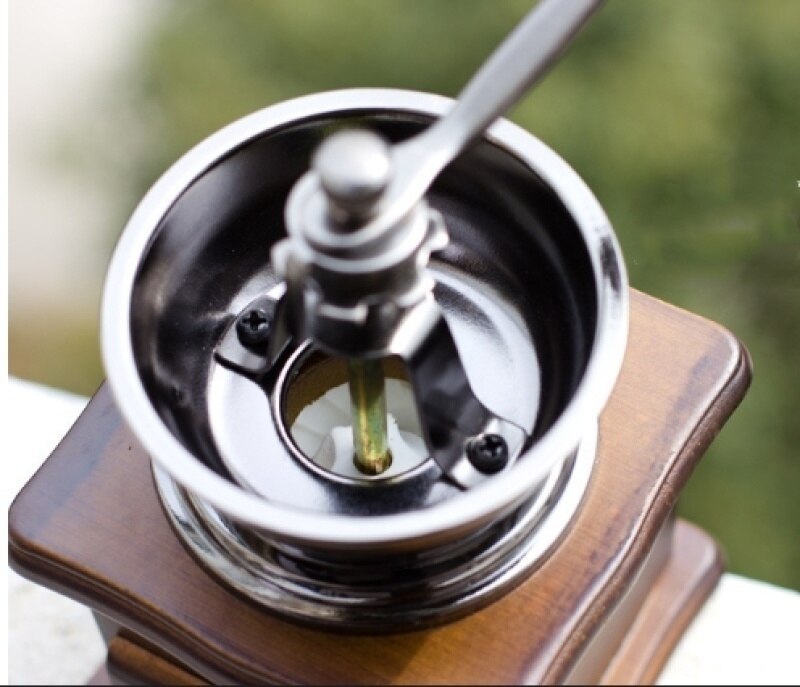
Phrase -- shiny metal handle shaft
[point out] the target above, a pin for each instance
(516, 65)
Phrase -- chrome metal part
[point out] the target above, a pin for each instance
(525, 232)
(248, 425)
(372, 304)
(391, 183)
(515, 66)
(348, 297)
(360, 593)
(354, 168)
(360, 237)
(450, 413)
(511, 331)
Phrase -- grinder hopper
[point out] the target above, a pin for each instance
(238, 304)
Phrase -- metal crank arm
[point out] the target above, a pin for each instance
(467, 440)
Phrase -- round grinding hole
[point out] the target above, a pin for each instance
(318, 415)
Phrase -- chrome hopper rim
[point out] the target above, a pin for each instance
(449, 519)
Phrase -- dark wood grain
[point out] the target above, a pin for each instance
(89, 525)
(129, 663)
(637, 654)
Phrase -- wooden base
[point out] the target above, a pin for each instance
(681, 588)
(609, 603)
(684, 584)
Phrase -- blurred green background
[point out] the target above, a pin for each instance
(682, 116)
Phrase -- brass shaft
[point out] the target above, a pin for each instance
(368, 409)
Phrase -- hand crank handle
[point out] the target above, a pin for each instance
(515, 66)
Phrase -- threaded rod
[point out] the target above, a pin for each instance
(368, 409)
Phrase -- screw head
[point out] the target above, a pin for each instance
(253, 327)
(488, 453)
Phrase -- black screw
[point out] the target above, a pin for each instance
(488, 453)
(252, 327)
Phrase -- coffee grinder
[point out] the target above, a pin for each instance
(367, 338)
